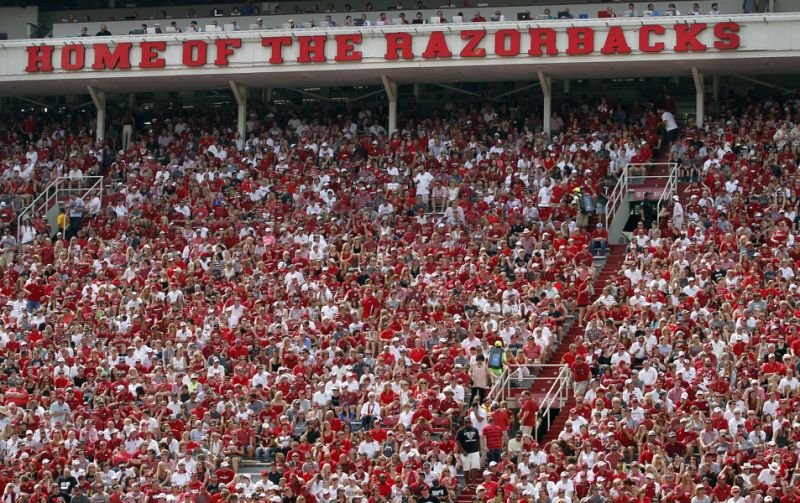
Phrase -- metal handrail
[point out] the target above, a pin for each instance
(669, 190)
(615, 199)
(501, 389)
(499, 386)
(555, 398)
(557, 395)
(57, 188)
(621, 188)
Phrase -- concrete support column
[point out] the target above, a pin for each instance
(267, 96)
(700, 96)
(546, 84)
(131, 101)
(417, 88)
(391, 92)
(240, 93)
(567, 86)
(99, 100)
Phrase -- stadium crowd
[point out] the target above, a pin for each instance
(326, 298)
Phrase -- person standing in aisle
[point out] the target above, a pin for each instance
(468, 444)
(479, 380)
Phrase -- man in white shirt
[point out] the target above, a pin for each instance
(648, 374)
(670, 125)
(215, 369)
(566, 485)
(181, 477)
(370, 411)
(545, 194)
(423, 181)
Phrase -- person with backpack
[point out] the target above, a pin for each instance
(497, 360)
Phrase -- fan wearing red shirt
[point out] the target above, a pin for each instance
(581, 374)
(370, 306)
(528, 413)
(493, 436)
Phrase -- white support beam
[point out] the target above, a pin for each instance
(417, 88)
(391, 92)
(546, 84)
(700, 96)
(99, 100)
(567, 86)
(240, 94)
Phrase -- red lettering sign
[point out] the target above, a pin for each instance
(581, 41)
(437, 47)
(473, 38)
(644, 38)
(543, 37)
(40, 59)
(276, 44)
(225, 47)
(346, 45)
(73, 57)
(727, 36)
(312, 49)
(615, 42)
(118, 59)
(195, 53)
(398, 45)
(506, 42)
(687, 37)
(150, 56)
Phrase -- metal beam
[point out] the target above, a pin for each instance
(82, 105)
(306, 93)
(365, 96)
(515, 91)
(765, 84)
(99, 100)
(32, 101)
(456, 89)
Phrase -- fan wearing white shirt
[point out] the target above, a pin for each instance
(648, 374)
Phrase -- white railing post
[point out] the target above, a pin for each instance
(45, 200)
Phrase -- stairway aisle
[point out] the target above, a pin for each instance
(466, 494)
(610, 268)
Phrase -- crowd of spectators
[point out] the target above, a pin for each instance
(368, 17)
(686, 376)
(321, 296)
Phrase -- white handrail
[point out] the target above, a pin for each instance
(669, 190)
(58, 187)
(621, 188)
(557, 395)
(615, 199)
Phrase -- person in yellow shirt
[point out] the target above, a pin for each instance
(62, 221)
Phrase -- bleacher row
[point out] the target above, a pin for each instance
(220, 20)
(318, 298)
